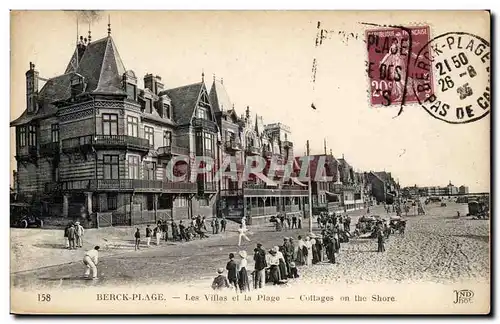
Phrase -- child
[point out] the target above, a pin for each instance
(294, 272)
(137, 239)
(220, 282)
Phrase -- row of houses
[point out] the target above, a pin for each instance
(92, 142)
(449, 190)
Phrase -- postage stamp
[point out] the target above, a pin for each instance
(141, 186)
(462, 66)
(392, 52)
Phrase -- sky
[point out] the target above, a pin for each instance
(265, 59)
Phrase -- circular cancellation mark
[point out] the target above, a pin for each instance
(461, 65)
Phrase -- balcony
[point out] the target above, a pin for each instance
(172, 150)
(252, 150)
(205, 124)
(339, 188)
(287, 144)
(136, 185)
(231, 192)
(27, 153)
(49, 149)
(206, 187)
(233, 146)
(105, 141)
(263, 191)
(119, 141)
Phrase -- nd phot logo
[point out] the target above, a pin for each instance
(463, 296)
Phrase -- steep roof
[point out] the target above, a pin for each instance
(184, 100)
(55, 89)
(330, 166)
(219, 99)
(102, 67)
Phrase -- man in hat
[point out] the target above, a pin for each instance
(79, 234)
(287, 253)
(260, 266)
(220, 282)
(232, 272)
(148, 235)
(90, 260)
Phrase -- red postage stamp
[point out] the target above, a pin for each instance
(392, 52)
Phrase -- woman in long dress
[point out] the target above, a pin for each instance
(282, 263)
(243, 283)
(274, 272)
(315, 258)
(308, 246)
(300, 252)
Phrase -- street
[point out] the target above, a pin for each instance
(435, 248)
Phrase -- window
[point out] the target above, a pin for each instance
(203, 202)
(166, 110)
(133, 167)
(109, 124)
(54, 132)
(150, 202)
(22, 136)
(112, 201)
(167, 138)
(202, 113)
(180, 202)
(150, 170)
(131, 91)
(132, 126)
(149, 134)
(110, 164)
(32, 135)
(148, 106)
(209, 141)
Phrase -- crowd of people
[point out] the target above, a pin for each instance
(278, 264)
(195, 228)
(73, 235)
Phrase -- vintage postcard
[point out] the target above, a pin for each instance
(250, 162)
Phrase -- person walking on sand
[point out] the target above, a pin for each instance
(137, 237)
(260, 266)
(223, 224)
(242, 230)
(380, 240)
(148, 235)
(90, 260)
(79, 234)
(71, 237)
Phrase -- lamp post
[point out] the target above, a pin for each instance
(310, 190)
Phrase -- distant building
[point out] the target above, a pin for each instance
(463, 190)
(383, 187)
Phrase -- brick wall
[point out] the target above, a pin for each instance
(77, 167)
(74, 128)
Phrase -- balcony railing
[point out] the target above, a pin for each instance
(262, 190)
(232, 145)
(252, 150)
(26, 152)
(231, 192)
(130, 185)
(49, 149)
(166, 151)
(338, 188)
(205, 124)
(87, 141)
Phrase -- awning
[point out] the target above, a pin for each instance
(296, 181)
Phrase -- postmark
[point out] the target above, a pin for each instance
(461, 63)
(392, 52)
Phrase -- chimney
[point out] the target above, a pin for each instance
(248, 112)
(81, 48)
(153, 83)
(31, 88)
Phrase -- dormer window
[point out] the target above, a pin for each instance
(167, 111)
(131, 91)
(130, 85)
(148, 106)
(202, 113)
(76, 85)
